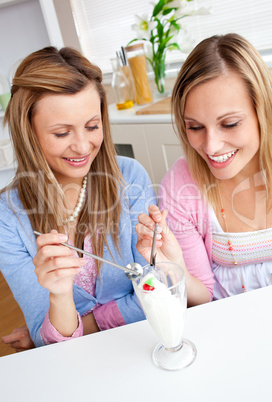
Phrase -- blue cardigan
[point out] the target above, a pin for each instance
(18, 248)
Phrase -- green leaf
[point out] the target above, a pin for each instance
(166, 40)
(168, 11)
(175, 25)
(133, 40)
(174, 46)
(158, 8)
(160, 30)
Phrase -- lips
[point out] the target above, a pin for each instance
(77, 162)
(222, 158)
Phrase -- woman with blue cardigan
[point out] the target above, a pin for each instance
(71, 186)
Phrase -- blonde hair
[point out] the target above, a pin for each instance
(65, 71)
(209, 59)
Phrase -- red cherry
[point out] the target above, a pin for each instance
(148, 287)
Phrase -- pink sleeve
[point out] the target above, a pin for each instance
(49, 334)
(108, 316)
(188, 219)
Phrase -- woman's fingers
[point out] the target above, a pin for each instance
(144, 232)
(55, 264)
(47, 279)
(55, 251)
(145, 227)
(154, 212)
(147, 243)
(62, 262)
(50, 238)
(53, 256)
(156, 215)
(146, 220)
(54, 277)
(58, 268)
(19, 339)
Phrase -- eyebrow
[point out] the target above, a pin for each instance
(218, 118)
(230, 114)
(97, 117)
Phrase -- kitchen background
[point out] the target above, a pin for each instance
(98, 29)
(27, 25)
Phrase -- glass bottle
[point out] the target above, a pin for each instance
(137, 63)
(120, 86)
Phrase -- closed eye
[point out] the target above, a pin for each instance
(232, 125)
(92, 128)
(194, 128)
(61, 135)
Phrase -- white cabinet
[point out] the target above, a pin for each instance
(155, 146)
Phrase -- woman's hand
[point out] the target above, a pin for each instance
(56, 265)
(19, 339)
(167, 247)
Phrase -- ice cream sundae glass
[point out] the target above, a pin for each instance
(162, 294)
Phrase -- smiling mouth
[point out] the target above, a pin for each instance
(222, 158)
(76, 160)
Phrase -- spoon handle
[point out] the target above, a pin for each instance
(153, 255)
(93, 256)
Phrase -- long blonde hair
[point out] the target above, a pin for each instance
(209, 59)
(65, 71)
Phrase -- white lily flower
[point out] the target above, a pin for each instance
(202, 11)
(184, 9)
(172, 26)
(174, 3)
(144, 26)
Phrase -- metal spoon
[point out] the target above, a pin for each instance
(133, 270)
(153, 255)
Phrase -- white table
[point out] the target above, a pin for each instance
(234, 361)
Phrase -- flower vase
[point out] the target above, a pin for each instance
(158, 66)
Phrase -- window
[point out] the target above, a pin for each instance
(104, 26)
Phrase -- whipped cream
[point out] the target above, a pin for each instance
(164, 311)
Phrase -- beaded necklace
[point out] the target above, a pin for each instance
(79, 203)
(230, 246)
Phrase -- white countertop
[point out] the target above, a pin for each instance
(128, 116)
(233, 363)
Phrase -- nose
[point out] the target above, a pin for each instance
(213, 142)
(81, 144)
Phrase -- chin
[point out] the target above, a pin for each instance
(223, 175)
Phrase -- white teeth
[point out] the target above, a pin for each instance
(76, 160)
(222, 158)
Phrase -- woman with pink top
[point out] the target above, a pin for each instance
(219, 196)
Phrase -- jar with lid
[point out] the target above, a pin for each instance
(137, 63)
(120, 86)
